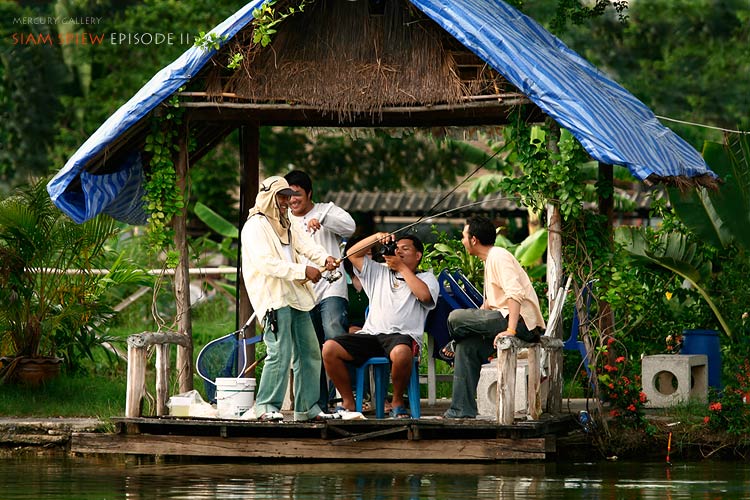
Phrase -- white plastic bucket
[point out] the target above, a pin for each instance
(234, 396)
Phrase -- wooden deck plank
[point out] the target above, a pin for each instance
(314, 449)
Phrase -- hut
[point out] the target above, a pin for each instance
(363, 63)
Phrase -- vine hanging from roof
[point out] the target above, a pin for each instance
(163, 198)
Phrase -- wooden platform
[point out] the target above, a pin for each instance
(426, 439)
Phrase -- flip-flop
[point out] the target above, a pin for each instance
(399, 412)
(448, 353)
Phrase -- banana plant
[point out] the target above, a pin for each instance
(720, 218)
(673, 251)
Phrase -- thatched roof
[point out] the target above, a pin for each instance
(423, 63)
(340, 59)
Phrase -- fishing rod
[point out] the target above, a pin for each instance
(335, 275)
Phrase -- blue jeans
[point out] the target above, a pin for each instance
(295, 345)
(330, 320)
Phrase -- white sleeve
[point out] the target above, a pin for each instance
(337, 220)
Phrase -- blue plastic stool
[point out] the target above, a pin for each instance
(381, 373)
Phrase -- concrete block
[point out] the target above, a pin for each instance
(670, 379)
(487, 389)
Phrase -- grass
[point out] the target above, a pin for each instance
(100, 393)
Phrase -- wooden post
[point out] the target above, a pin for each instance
(534, 387)
(554, 282)
(249, 184)
(182, 274)
(136, 383)
(507, 353)
(162, 379)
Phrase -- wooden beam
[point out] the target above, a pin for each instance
(249, 183)
(182, 274)
(492, 112)
(452, 450)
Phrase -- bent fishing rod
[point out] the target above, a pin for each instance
(334, 275)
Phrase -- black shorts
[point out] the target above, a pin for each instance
(362, 346)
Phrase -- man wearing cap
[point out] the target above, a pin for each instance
(280, 290)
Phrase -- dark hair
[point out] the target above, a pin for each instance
(415, 241)
(482, 229)
(301, 179)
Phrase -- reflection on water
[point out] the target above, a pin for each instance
(131, 478)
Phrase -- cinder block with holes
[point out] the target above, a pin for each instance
(487, 389)
(670, 379)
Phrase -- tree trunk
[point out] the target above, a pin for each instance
(182, 275)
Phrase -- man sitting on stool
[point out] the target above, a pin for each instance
(400, 298)
(510, 307)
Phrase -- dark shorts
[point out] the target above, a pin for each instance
(362, 346)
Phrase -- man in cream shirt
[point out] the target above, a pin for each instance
(279, 285)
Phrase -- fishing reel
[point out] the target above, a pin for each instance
(331, 276)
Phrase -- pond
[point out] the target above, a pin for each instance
(107, 478)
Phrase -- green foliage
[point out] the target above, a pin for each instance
(540, 175)
(720, 217)
(266, 17)
(51, 304)
(164, 200)
(31, 78)
(235, 60)
(216, 222)
(449, 253)
(730, 410)
(209, 41)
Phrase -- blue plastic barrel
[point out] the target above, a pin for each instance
(705, 342)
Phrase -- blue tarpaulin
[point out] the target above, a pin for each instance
(612, 125)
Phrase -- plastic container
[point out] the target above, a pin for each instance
(234, 396)
(179, 406)
(705, 342)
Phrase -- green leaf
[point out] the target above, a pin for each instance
(215, 221)
(673, 251)
(531, 249)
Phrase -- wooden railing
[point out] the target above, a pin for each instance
(138, 345)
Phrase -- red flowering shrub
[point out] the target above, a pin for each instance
(624, 392)
(731, 412)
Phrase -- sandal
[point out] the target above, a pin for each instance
(399, 412)
(448, 353)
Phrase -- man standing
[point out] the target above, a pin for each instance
(329, 225)
(510, 307)
(280, 291)
(400, 298)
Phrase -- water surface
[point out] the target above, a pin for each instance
(131, 478)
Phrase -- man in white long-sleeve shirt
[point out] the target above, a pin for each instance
(329, 226)
(279, 285)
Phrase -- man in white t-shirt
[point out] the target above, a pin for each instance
(329, 226)
(400, 298)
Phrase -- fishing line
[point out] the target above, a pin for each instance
(441, 200)
(420, 220)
